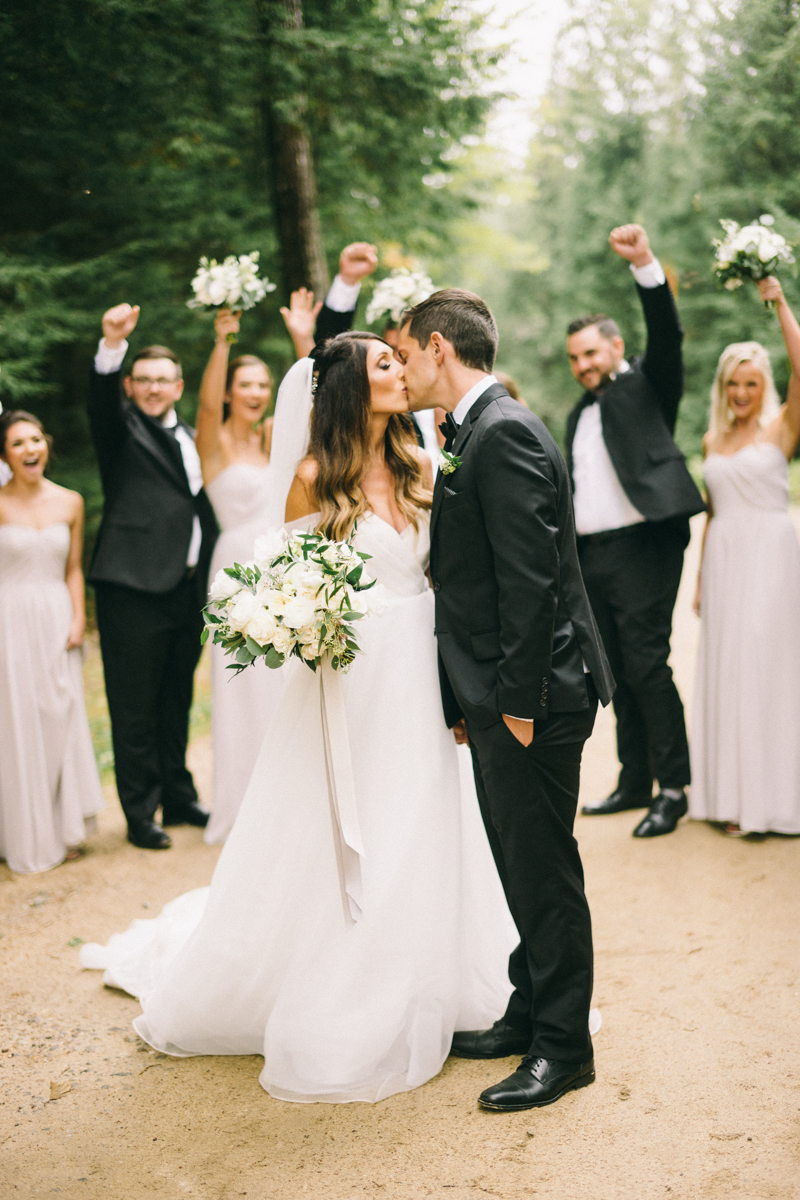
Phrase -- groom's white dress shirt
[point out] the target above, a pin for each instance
(599, 498)
(106, 361)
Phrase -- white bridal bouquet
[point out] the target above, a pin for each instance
(298, 596)
(751, 252)
(397, 292)
(232, 284)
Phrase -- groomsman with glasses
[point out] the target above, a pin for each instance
(633, 498)
(150, 575)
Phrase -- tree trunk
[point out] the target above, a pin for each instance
(292, 166)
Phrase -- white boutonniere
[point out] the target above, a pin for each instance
(448, 463)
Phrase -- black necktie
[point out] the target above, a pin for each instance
(449, 427)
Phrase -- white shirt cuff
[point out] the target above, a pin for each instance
(342, 297)
(527, 720)
(649, 276)
(107, 361)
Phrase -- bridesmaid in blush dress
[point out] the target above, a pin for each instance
(49, 788)
(745, 744)
(233, 441)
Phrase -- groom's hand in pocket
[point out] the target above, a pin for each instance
(522, 730)
(460, 732)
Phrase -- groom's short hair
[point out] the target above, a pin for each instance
(462, 318)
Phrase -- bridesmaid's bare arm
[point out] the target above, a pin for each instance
(73, 575)
(785, 431)
(212, 394)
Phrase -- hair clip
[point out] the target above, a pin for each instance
(314, 384)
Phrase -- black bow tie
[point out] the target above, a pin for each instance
(449, 427)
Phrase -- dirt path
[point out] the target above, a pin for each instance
(698, 1087)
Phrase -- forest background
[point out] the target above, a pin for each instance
(137, 135)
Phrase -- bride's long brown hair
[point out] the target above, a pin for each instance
(340, 439)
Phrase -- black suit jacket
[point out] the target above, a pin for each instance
(513, 621)
(330, 322)
(149, 507)
(638, 411)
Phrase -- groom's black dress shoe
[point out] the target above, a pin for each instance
(148, 835)
(498, 1042)
(536, 1082)
(190, 813)
(665, 812)
(617, 802)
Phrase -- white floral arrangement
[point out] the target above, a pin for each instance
(400, 290)
(298, 596)
(233, 283)
(749, 252)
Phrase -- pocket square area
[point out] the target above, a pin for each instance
(449, 491)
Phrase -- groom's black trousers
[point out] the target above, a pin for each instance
(150, 645)
(528, 798)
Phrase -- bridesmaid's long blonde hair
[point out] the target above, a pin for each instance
(720, 416)
(340, 439)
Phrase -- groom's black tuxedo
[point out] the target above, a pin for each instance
(148, 601)
(514, 629)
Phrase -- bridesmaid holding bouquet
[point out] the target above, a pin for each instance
(745, 747)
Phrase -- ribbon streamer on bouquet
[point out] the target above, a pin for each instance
(341, 790)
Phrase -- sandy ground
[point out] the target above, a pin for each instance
(698, 1077)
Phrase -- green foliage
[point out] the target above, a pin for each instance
(659, 116)
(133, 142)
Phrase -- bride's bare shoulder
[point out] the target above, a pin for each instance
(302, 498)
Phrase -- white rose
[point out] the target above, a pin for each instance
(223, 587)
(242, 610)
(269, 546)
(309, 651)
(283, 641)
(262, 627)
(298, 612)
(274, 600)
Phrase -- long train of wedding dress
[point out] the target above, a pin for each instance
(265, 961)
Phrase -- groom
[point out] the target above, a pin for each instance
(521, 666)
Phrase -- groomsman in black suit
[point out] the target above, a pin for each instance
(521, 667)
(633, 499)
(150, 575)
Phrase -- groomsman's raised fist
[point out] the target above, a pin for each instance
(118, 323)
(631, 242)
(356, 261)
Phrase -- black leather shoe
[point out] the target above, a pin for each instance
(148, 835)
(536, 1082)
(185, 814)
(498, 1042)
(663, 816)
(617, 802)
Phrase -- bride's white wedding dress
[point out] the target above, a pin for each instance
(265, 961)
(241, 705)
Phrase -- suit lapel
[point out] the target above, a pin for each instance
(161, 445)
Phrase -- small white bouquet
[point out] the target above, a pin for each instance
(298, 596)
(750, 252)
(233, 283)
(397, 292)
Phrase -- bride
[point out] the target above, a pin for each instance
(267, 960)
